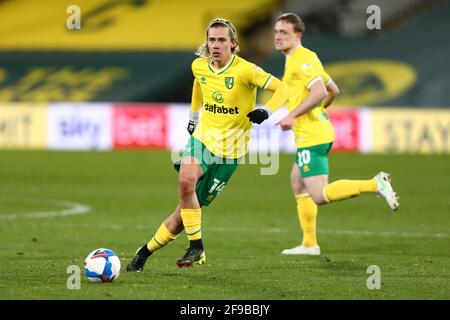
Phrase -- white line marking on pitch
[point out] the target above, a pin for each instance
(385, 233)
(345, 232)
(72, 208)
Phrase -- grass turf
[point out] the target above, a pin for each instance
(244, 230)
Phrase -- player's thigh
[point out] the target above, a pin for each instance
(190, 166)
(194, 153)
(313, 166)
(315, 186)
(192, 163)
(190, 172)
(297, 184)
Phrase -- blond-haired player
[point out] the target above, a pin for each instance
(225, 89)
(312, 91)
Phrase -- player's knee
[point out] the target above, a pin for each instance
(187, 184)
(319, 199)
(294, 184)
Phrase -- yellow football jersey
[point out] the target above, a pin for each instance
(302, 69)
(228, 95)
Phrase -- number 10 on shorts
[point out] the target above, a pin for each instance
(304, 157)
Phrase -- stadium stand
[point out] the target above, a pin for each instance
(140, 51)
(120, 25)
(403, 67)
(348, 17)
(134, 50)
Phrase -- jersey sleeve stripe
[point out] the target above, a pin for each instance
(312, 81)
(268, 81)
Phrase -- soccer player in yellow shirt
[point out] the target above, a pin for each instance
(312, 91)
(225, 88)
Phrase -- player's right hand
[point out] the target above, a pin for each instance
(286, 123)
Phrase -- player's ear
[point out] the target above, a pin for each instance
(233, 44)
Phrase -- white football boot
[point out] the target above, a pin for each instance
(302, 250)
(384, 189)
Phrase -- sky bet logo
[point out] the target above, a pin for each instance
(223, 110)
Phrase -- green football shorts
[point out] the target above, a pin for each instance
(313, 160)
(216, 171)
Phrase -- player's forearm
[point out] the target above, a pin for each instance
(196, 99)
(328, 99)
(279, 97)
(333, 91)
(315, 96)
(196, 104)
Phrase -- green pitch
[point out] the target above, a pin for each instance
(244, 230)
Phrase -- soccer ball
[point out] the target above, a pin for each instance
(102, 265)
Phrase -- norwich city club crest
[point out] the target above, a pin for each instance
(229, 82)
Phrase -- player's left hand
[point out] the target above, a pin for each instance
(258, 115)
(286, 123)
(191, 126)
(194, 118)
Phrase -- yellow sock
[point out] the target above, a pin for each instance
(344, 189)
(161, 238)
(192, 221)
(307, 213)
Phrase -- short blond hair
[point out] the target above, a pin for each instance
(293, 19)
(203, 50)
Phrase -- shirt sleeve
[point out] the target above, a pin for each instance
(196, 98)
(312, 71)
(326, 78)
(280, 95)
(260, 78)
